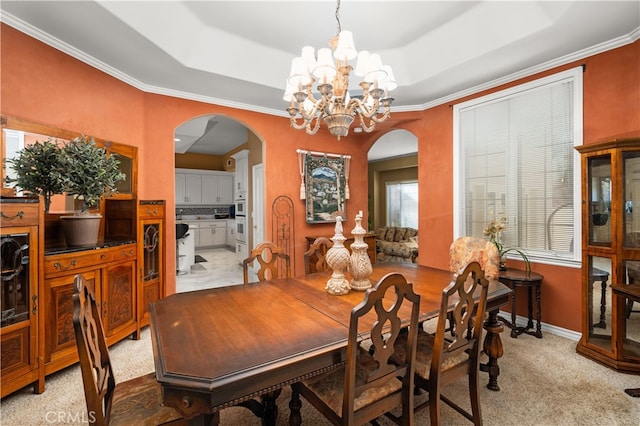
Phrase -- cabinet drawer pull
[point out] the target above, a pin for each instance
(59, 266)
(18, 215)
(125, 254)
(102, 256)
(186, 402)
(34, 311)
(153, 212)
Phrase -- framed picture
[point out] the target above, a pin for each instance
(325, 187)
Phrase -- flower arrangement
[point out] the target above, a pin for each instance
(493, 230)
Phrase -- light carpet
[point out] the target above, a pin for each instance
(543, 382)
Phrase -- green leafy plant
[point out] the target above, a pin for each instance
(494, 230)
(38, 168)
(89, 172)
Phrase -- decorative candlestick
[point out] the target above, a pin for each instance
(361, 267)
(337, 259)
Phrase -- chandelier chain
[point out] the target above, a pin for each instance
(339, 27)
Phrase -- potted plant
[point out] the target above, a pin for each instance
(493, 231)
(89, 174)
(38, 169)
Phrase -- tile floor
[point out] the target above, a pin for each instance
(221, 269)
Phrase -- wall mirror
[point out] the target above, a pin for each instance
(17, 133)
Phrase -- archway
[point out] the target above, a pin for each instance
(208, 145)
(393, 157)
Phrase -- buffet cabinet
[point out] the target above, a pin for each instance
(610, 252)
(21, 305)
(111, 273)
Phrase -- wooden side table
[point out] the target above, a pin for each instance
(514, 278)
(631, 292)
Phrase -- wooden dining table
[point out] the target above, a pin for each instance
(239, 345)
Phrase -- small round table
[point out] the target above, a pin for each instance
(514, 278)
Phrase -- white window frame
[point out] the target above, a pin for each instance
(574, 74)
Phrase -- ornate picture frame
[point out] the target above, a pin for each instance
(326, 187)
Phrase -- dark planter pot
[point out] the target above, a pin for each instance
(81, 230)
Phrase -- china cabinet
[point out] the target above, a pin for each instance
(21, 313)
(125, 268)
(151, 254)
(610, 252)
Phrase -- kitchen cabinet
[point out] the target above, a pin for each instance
(212, 233)
(151, 255)
(610, 252)
(21, 324)
(111, 273)
(188, 189)
(203, 187)
(242, 174)
(217, 189)
(231, 233)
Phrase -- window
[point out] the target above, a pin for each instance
(402, 204)
(514, 156)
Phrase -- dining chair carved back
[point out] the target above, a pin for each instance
(316, 255)
(273, 262)
(441, 359)
(368, 385)
(137, 401)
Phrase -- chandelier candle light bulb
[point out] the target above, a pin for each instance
(335, 107)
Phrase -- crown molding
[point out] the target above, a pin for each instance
(36, 33)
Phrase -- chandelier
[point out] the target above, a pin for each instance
(333, 104)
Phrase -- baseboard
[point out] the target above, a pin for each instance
(550, 328)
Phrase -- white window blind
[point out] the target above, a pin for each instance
(515, 158)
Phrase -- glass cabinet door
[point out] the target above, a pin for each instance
(15, 278)
(599, 169)
(599, 302)
(151, 261)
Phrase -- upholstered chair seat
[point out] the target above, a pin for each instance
(329, 387)
(139, 401)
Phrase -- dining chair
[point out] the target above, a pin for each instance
(316, 255)
(273, 262)
(368, 385)
(137, 401)
(440, 359)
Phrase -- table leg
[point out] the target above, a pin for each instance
(270, 408)
(493, 348)
(514, 330)
(294, 408)
(530, 307)
(538, 314)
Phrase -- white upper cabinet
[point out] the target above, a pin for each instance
(188, 188)
(203, 187)
(217, 189)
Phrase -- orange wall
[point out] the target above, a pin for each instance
(41, 84)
